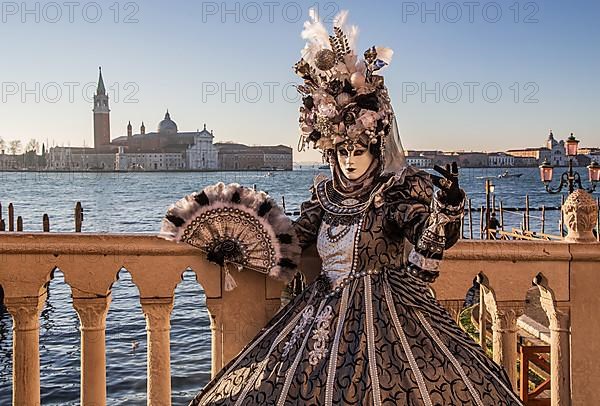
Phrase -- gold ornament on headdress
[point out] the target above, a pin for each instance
(325, 59)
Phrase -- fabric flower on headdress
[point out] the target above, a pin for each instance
(344, 99)
(369, 119)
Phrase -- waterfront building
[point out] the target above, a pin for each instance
(553, 151)
(79, 158)
(525, 161)
(101, 117)
(150, 161)
(166, 149)
(470, 159)
(234, 156)
(418, 159)
(558, 156)
(427, 158)
(537, 154)
(592, 153)
(101, 156)
(500, 159)
(9, 161)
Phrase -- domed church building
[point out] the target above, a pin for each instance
(166, 149)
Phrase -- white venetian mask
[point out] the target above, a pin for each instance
(354, 161)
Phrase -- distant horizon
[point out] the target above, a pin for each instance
(483, 80)
(313, 160)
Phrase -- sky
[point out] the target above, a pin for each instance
(466, 75)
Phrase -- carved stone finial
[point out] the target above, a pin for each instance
(580, 212)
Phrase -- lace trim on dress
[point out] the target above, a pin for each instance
(292, 371)
(260, 367)
(320, 335)
(307, 316)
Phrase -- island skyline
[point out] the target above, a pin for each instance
(443, 81)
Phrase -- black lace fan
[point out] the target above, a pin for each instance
(237, 226)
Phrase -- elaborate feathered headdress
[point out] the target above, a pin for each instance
(344, 100)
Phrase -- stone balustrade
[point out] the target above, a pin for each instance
(566, 274)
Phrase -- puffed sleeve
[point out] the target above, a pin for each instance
(415, 212)
(308, 223)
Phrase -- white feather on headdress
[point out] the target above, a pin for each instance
(385, 54)
(316, 36)
(315, 31)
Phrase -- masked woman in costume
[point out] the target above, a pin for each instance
(367, 331)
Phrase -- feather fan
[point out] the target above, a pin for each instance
(238, 226)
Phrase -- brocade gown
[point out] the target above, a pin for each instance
(366, 331)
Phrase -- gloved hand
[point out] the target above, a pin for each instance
(450, 192)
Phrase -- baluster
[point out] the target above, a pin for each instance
(504, 328)
(92, 316)
(560, 337)
(482, 320)
(26, 352)
(216, 327)
(158, 313)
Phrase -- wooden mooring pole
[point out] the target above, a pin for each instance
(46, 223)
(501, 216)
(481, 221)
(488, 203)
(19, 223)
(78, 217)
(526, 219)
(562, 217)
(11, 217)
(470, 220)
(543, 228)
(598, 220)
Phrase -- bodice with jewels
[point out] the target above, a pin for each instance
(356, 235)
(335, 244)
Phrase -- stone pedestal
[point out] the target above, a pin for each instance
(580, 212)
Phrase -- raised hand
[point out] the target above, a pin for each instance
(450, 193)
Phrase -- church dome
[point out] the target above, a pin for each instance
(167, 126)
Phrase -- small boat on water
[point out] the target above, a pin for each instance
(324, 166)
(505, 174)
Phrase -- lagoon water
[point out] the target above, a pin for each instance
(136, 202)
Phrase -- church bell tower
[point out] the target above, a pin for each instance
(101, 116)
